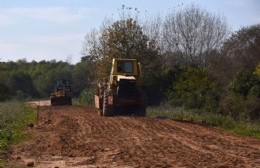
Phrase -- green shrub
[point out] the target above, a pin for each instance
(253, 103)
(87, 96)
(240, 108)
(242, 101)
(243, 82)
(4, 92)
(257, 71)
(193, 88)
(233, 105)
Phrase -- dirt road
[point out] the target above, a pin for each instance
(39, 103)
(73, 136)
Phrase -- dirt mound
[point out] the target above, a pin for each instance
(73, 136)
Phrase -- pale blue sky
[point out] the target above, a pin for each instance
(55, 29)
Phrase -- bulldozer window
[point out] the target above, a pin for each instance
(125, 67)
(119, 67)
(128, 67)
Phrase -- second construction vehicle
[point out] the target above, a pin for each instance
(123, 91)
(61, 94)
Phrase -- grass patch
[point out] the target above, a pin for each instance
(75, 101)
(14, 117)
(199, 116)
(248, 129)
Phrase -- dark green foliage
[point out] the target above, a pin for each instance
(153, 90)
(4, 92)
(87, 96)
(82, 76)
(239, 107)
(253, 103)
(159, 87)
(243, 82)
(23, 80)
(22, 85)
(48, 73)
(243, 100)
(192, 87)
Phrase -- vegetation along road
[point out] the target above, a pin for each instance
(75, 136)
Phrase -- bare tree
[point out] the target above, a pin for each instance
(90, 45)
(243, 47)
(240, 52)
(154, 30)
(94, 46)
(194, 33)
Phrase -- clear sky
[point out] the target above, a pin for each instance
(55, 29)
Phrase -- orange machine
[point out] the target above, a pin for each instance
(61, 94)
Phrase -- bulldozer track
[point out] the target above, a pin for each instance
(74, 136)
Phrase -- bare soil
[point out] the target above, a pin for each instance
(74, 136)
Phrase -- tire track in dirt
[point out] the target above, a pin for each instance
(74, 136)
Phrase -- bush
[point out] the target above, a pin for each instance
(257, 71)
(242, 102)
(253, 103)
(233, 105)
(4, 92)
(87, 96)
(243, 82)
(193, 88)
(240, 108)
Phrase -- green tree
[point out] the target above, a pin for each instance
(47, 73)
(243, 82)
(123, 39)
(22, 84)
(83, 75)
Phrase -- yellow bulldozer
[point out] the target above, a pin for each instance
(61, 94)
(122, 93)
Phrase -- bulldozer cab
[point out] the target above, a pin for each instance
(61, 93)
(63, 85)
(127, 67)
(124, 69)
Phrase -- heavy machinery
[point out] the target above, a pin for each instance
(122, 93)
(61, 94)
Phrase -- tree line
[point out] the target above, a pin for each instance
(189, 58)
(22, 79)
